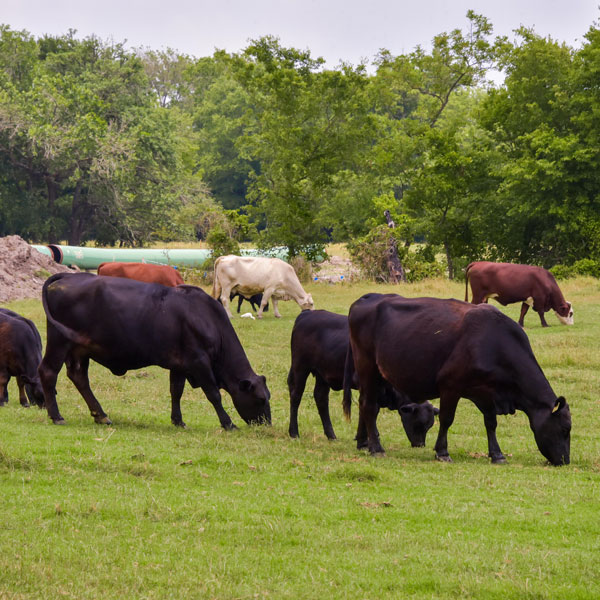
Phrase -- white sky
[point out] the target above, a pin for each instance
(348, 30)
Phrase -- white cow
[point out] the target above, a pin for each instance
(249, 275)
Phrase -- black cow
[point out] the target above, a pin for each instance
(254, 301)
(125, 324)
(20, 356)
(319, 345)
(433, 348)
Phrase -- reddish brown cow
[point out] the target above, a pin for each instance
(508, 283)
(163, 274)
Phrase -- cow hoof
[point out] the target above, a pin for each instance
(378, 453)
(179, 424)
(443, 458)
(59, 421)
(25, 405)
(499, 460)
(294, 436)
(3, 402)
(103, 420)
(332, 437)
(229, 427)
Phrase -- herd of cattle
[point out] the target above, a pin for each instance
(400, 353)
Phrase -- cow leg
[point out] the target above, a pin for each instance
(225, 293)
(240, 300)
(543, 319)
(296, 384)
(491, 422)
(77, 372)
(369, 409)
(321, 395)
(48, 371)
(22, 395)
(448, 404)
(4, 379)
(176, 385)
(361, 433)
(214, 397)
(265, 300)
(524, 309)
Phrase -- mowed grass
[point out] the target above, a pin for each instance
(144, 510)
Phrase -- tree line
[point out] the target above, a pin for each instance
(116, 146)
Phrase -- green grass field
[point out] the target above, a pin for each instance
(141, 509)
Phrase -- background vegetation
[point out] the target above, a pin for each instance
(102, 143)
(143, 510)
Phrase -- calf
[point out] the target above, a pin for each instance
(163, 274)
(319, 345)
(431, 348)
(508, 283)
(20, 355)
(254, 301)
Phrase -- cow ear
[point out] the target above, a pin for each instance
(407, 409)
(263, 379)
(245, 385)
(436, 410)
(560, 403)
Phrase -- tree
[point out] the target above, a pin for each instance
(306, 126)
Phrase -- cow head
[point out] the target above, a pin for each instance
(553, 436)
(251, 400)
(565, 314)
(417, 420)
(307, 303)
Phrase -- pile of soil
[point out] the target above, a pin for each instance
(23, 269)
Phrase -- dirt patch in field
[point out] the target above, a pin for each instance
(23, 269)
(335, 270)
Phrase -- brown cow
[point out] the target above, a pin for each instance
(163, 274)
(508, 283)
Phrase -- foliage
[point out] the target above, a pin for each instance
(585, 267)
(370, 254)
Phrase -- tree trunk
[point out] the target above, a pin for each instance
(77, 219)
(449, 261)
(52, 195)
(395, 268)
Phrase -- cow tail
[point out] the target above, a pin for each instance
(348, 375)
(216, 290)
(467, 281)
(62, 329)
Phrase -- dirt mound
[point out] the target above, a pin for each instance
(23, 269)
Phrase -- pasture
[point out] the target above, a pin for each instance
(141, 509)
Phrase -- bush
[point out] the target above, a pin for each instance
(585, 266)
(302, 267)
(370, 255)
(562, 271)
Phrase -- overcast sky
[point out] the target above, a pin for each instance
(348, 30)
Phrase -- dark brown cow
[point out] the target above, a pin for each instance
(163, 274)
(508, 283)
(319, 345)
(432, 348)
(20, 355)
(124, 324)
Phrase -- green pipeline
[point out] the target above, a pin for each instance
(91, 258)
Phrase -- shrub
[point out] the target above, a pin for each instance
(370, 255)
(587, 266)
(562, 271)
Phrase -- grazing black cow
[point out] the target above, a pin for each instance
(20, 356)
(508, 283)
(319, 345)
(125, 324)
(254, 301)
(433, 348)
